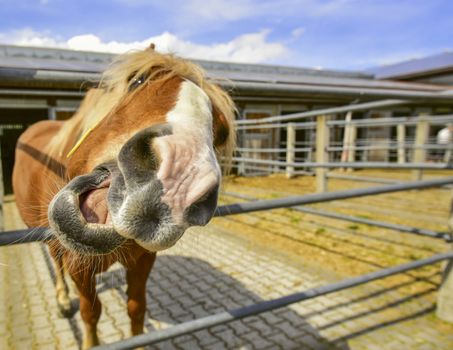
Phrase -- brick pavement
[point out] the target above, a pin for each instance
(211, 270)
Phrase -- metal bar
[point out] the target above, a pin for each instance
(262, 124)
(268, 170)
(371, 165)
(357, 92)
(42, 92)
(362, 178)
(24, 236)
(387, 147)
(274, 150)
(240, 208)
(298, 126)
(326, 111)
(239, 313)
(391, 121)
(396, 227)
(387, 225)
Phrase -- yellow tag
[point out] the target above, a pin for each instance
(84, 136)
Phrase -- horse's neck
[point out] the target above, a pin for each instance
(34, 180)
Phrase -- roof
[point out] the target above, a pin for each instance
(84, 61)
(61, 68)
(416, 67)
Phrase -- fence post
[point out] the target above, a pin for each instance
(322, 142)
(401, 140)
(51, 113)
(444, 309)
(346, 138)
(290, 146)
(351, 145)
(421, 136)
(2, 188)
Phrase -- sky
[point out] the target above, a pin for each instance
(323, 34)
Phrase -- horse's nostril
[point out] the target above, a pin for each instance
(137, 160)
(200, 212)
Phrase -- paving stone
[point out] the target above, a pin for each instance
(209, 271)
(4, 344)
(24, 344)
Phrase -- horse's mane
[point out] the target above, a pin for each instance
(114, 86)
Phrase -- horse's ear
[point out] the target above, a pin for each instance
(152, 46)
(220, 128)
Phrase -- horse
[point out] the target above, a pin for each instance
(125, 176)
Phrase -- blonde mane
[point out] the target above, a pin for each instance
(114, 87)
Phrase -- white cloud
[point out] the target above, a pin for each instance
(297, 32)
(28, 37)
(251, 47)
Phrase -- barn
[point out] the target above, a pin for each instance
(44, 83)
(257, 278)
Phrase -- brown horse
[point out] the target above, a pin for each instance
(126, 176)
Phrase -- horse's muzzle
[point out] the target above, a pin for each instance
(137, 195)
(128, 199)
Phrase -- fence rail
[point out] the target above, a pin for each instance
(356, 165)
(26, 236)
(251, 310)
(41, 233)
(330, 144)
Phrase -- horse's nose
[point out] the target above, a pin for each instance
(137, 161)
(167, 177)
(200, 212)
(167, 181)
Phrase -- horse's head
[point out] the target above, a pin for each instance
(145, 168)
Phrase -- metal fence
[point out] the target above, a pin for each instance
(407, 147)
(25, 236)
(314, 141)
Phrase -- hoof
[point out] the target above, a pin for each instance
(66, 310)
(89, 342)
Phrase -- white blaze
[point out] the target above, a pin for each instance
(188, 167)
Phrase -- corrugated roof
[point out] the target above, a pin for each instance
(62, 59)
(416, 67)
(74, 66)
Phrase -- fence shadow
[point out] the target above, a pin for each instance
(181, 289)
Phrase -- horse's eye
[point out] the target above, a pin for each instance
(137, 81)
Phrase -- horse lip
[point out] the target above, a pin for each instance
(69, 224)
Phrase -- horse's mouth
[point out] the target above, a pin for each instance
(93, 203)
(89, 216)
(79, 215)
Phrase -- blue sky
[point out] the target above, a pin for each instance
(337, 34)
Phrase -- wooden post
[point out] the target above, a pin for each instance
(290, 146)
(2, 188)
(351, 145)
(421, 136)
(444, 309)
(322, 142)
(346, 138)
(401, 140)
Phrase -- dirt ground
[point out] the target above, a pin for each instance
(342, 247)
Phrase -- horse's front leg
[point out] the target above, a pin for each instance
(62, 291)
(136, 275)
(90, 306)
